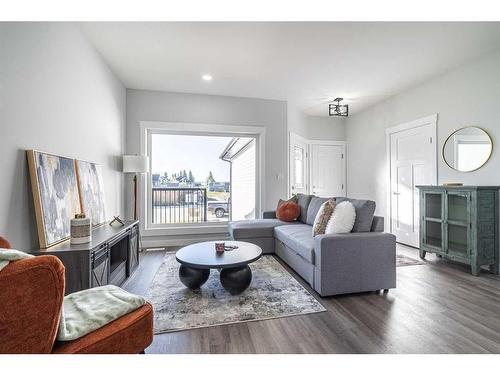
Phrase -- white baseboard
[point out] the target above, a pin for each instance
(166, 241)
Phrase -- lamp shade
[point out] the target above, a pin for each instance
(135, 164)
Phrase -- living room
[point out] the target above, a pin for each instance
(261, 187)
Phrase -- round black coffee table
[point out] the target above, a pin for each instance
(235, 274)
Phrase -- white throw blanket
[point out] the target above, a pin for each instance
(10, 255)
(87, 310)
(90, 309)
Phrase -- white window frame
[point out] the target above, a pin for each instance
(148, 128)
(292, 138)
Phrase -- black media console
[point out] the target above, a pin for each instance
(110, 258)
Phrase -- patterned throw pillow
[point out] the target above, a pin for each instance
(288, 210)
(323, 216)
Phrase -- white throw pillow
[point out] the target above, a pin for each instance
(342, 219)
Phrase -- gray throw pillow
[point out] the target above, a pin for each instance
(314, 206)
(303, 201)
(365, 209)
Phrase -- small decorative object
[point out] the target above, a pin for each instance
(80, 229)
(453, 184)
(220, 247)
(230, 247)
(338, 109)
(117, 220)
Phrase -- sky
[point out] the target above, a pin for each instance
(171, 153)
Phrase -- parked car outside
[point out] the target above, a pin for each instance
(217, 208)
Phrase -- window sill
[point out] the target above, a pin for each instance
(186, 229)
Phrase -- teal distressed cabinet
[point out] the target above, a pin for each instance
(461, 224)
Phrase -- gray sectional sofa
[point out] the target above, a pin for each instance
(360, 261)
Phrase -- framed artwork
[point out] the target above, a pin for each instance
(91, 187)
(55, 194)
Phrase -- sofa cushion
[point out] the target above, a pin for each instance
(258, 228)
(365, 210)
(298, 238)
(303, 200)
(312, 210)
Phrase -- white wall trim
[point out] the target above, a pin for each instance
(326, 142)
(157, 127)
(428, 120)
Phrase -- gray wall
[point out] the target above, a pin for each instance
(56, 95)
(143, 105)
(315, 127)
(468, 95)
(326, 128)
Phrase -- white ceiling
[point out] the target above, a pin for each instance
(304, 63)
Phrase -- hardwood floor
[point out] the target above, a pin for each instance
(436, 308)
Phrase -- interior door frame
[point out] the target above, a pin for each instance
(428, 120)
(310, 143)
(342, 144)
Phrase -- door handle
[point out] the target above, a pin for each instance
(396, 193)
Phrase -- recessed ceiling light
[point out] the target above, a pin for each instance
(206, 77)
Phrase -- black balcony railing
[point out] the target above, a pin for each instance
(179, 205)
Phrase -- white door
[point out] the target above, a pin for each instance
(298, 164)
(328, 170)
(412, 163)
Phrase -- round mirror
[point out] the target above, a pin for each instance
(467, 149)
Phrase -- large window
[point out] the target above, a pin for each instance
(201, 178)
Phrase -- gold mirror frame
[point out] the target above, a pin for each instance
(456, 131)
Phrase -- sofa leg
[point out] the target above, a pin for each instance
(143, 352)
(385, 291)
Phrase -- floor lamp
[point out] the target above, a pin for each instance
(135, 164)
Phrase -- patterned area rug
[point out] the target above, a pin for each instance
(273, 293)
(403, 260)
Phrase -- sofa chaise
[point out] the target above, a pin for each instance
(360, 261)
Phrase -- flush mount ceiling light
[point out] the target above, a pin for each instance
(337, 109)
(206, 77)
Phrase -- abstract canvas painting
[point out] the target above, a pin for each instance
(55, 192)
(91, 187)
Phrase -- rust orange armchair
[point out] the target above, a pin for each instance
(31, 298)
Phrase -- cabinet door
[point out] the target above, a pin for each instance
(457, 224)
(432, 218)
(133, 251)
(100, 269)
